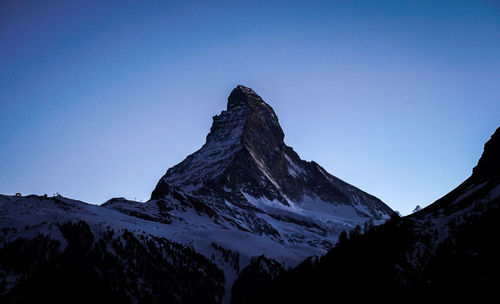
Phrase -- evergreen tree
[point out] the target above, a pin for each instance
(342, 237)
(355, 232)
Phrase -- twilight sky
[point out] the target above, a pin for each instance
(99, 98)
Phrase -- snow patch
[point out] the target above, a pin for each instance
(294, 169)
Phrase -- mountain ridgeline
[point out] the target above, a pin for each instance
(445, 253)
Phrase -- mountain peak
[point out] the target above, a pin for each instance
(245, 160)
(249, 124)
(261, 123)
(243, 96)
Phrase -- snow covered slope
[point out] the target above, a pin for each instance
(58, 250)
(228, 249)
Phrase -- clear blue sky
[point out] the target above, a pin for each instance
(98, 98)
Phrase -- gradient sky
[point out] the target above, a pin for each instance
(99, 98)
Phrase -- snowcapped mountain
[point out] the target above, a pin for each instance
(247, 178)
(445, 253)
(244, 194)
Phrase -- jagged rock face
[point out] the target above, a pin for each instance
(242, 140)
(245, 169)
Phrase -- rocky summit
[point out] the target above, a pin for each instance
(245, 155)
(247, 178)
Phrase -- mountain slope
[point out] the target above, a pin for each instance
(445, 253)
(59, 250)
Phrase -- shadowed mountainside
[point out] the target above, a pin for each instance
(445, 253)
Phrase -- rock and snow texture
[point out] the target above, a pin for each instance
(247, 178)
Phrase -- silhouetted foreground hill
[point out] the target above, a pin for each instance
(446, 253)
(112, 268)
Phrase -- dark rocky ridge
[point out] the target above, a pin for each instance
(489, 163)
(485, 177)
